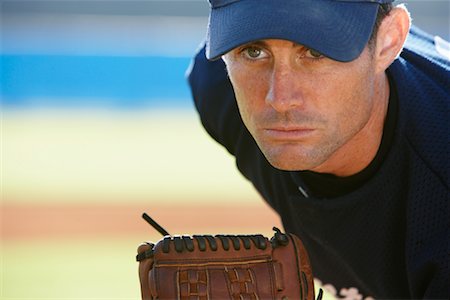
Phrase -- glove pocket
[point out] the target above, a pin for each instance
(247, 278)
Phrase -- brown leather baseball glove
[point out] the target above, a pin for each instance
(225, 267)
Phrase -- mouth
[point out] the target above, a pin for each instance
(288, 133)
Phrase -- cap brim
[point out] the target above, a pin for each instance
(338, 30)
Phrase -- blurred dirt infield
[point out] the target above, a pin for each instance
(85, 220)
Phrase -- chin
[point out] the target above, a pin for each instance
(293, 158)
(288, 167)
(287, 163)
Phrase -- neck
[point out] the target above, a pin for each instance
(359, 151)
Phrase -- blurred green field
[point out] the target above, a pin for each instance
(77, 155)
(68, 268)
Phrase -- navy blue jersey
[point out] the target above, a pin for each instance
(388, 236)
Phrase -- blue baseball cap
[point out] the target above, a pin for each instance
(338, 29)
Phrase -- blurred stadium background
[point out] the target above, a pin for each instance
(97, 126)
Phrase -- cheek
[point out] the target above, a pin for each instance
(247, 83)
(250, 94)
(350, 102)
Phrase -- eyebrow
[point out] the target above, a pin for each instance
(263, 43)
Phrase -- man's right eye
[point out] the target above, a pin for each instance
(253, 53)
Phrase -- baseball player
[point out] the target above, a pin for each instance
(337, 111)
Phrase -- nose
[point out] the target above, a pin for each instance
(284, 92)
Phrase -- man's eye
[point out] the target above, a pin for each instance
(311, 53)
(254, 53)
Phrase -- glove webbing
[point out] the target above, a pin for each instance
(183, 243)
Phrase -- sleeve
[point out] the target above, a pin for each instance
(215, 101)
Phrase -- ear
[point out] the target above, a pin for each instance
(391, 37)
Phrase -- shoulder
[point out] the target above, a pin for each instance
(214, 100)
(433, 48)
(421, 76)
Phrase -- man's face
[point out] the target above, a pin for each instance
(301, 107)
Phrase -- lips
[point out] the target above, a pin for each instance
(288, 133)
